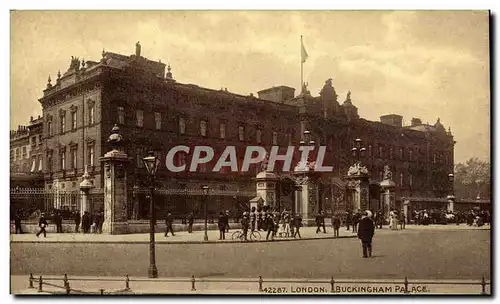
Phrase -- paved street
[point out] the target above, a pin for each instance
(416, 253)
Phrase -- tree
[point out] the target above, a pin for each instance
(472, 179)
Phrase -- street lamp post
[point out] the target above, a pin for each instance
(451, 197)
(151, 162)
(205, 189)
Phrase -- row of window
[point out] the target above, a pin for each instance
(73, 158)
(15, 154)
(34, 140)
(73, 119)
(412, 155)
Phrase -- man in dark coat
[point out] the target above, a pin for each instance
(348, 219)
(190, 221)
(320, 222)
(270, 226)
(86, 222)
(17, 222)
(227, 221)
(297, 223)
(245, 224)
(366, 230)
(42, 223)
(169, 221)
(355, 220)
(222, 226)
(335, 225)
(58, 221)
(77, 221)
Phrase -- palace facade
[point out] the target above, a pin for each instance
(154, 111)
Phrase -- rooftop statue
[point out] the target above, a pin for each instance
(138, 49)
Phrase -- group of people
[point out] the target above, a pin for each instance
(435, 216)
(88, 223)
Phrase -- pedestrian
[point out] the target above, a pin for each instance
(320, 222)
(42, 223)
(222, 226)
(348, 219)
(190, 222)
(286, 223)
(366, 230)
(77, 221)
(253, 219)
(95, 223)
(355, 220)
(58, 221)
(335, 225)
(297, 223)
(227, 221)
(101, 221)
(86, 222)
(245, 223)
(169, 221)
(17, 222)
(270, 226)
(402, 220)
(259, 219)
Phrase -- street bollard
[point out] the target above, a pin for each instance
(406, 284)
(260, 283)
(192, 283)
(66, 283)
(31, 281)
(127, 282)
(332, 284)
(483, 286)
(40, 283)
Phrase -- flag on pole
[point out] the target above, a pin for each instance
(303, 51)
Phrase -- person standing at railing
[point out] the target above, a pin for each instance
(366, 230)
(227, 221)
(348, 219)
(42, 223)
(58, 221)
(86, 222)
(190, 222)
(169, 221)
(260, 220)
(77, 221)
(221, 223)
(17, 222)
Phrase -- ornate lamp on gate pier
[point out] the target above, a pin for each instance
(205, 190)
(451, 196)
(358, 179)
(151, 162)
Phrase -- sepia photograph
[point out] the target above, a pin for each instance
(250, 152)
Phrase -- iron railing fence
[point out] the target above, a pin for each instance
(259, 283)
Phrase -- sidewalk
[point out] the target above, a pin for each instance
(307, 233)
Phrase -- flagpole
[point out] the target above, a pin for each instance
(301, 65)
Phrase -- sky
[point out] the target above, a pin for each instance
(424, 64)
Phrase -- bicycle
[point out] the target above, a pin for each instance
(252, 236)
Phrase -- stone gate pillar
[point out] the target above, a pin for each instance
(358, 184)
(115, 186)
(85, 187)
(388, 200)
(266, 188)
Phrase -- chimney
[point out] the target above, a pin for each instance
(392, 119)
(416, 122)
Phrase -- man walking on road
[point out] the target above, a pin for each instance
(42, 223)
(169, 220)
(297, 222)
(366, 230)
